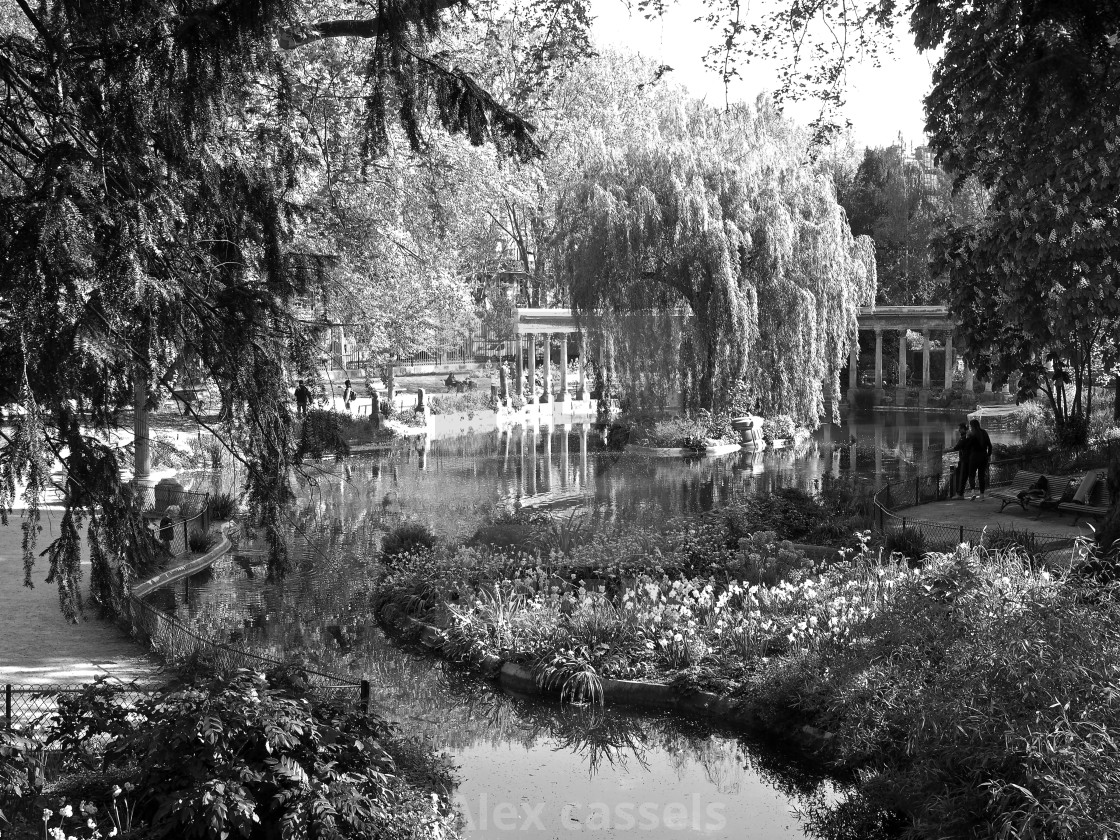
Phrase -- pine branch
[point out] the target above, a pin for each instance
(294, 37)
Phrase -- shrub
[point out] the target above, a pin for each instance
(322, 432)
(910, 542)
(1034, 423)
(200, 541)
(766, 561)
(675, 433)
(789, 512)
(468, 401)
(516, 402)
(522, 530)
(223, 505)
(780, 427)
(259, 755)
(1074, 432)
(407, 538)
(1014, 543)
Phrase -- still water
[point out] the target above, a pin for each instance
(529, 766)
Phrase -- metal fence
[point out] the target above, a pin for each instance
(175, 641)
(896, 507)
(194, 515)
(29, 704)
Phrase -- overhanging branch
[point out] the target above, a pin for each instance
(294, 37)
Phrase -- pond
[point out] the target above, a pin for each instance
(528, 764)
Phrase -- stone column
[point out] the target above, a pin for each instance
(582, 393)
(546, 374)
(519, 368)
(903, 349)
(563, 396)
(853, 365)
(878, 359)
(546, 465)
(949, 359)
(925, 359)
(969, 379)
(531, 385)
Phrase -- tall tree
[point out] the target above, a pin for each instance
(1027, 99)
(716, 216)
(145, 211)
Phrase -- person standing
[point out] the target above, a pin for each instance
(960, 476)
(980, 456)
(347, 395)
(303, 397)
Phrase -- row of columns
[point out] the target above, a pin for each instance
(527, 349)
(903, 362)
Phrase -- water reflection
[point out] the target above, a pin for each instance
(568, 763)
(514, 751)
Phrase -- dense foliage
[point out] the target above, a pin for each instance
(147, 230)
(249, 755)
(708, 246)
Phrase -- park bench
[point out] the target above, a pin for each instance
(1026, 487)
(1098, 503)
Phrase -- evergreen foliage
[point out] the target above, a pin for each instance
(145, 218)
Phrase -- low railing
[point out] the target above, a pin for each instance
(896, 507)
(194, 510)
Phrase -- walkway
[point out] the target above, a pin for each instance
(985, 513)
(37, 645)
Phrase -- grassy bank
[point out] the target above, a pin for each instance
(973, 694)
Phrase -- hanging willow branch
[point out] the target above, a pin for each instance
(718, 216)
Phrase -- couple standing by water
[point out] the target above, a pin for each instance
(975, 450)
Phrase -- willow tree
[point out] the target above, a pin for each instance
(145, 212)
(711, 253)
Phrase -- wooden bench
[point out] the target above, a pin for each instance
(1024, 490)
(1098, 504)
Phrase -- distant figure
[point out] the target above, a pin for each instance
(960, 473)
(451, 381)
(348, 395)
(980, 455)
(303, 397)
(167, 527)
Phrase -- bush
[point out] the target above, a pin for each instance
(322, 432)
(223, 505)
(780, 427)
(407, 538)
(910, 542)
(1074, 432)
(522, 530)
(675, 433)
(257, 756)
(1012, 542)
(468, 401)
(200, 541)
(790, 513)
(766, 561)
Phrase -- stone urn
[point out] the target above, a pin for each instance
(749, 428)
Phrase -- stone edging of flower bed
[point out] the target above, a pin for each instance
(671, 452)
(807, 739)
(191, 567)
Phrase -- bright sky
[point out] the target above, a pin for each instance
(881, 101)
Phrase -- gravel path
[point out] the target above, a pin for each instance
(37, 645)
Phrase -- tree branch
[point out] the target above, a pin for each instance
(294, 37)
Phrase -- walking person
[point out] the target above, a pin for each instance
(960, 475)
(980, 456)
(348, 395)
(303, 397)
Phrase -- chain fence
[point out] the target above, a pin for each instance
(896, 503)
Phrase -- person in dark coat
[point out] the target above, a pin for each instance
(960, 475)
(348, 395)
(980, 456)
(303, 398)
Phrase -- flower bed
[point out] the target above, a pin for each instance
(975, 694)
